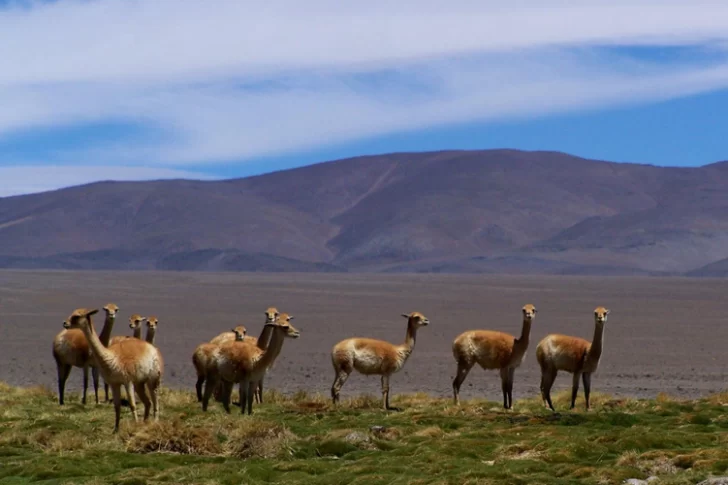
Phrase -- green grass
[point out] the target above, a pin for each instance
(301, 439)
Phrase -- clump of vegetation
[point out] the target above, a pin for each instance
(302, 439)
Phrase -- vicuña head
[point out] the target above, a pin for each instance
(135, 321)
(240, 332)
(111, 310)
(417, 318)
(271, 314)
(600, 314)
(284, 322)
(80, 317)
(152, 322)
(529, 311)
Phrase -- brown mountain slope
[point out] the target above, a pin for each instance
(452, 211)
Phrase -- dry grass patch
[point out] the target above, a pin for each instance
(720, 399)
(430, 432)
(520, 451)
(701, 459)
(651, 463)
(259, 439)
(173, 437)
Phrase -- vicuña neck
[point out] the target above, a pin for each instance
(106, 330)
(265, 337)
(595, 350)
(137, 332)
(151, 333)
(274, 348)
(525, 333)
(104, 358)
(410, 338)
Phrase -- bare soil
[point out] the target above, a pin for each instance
(664, 335)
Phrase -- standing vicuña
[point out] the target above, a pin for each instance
(205, 356)
(492, 350)
(71, 349)
(271, 316)
(130, 362)
(571, 354)
(245, 364)
(135, 324)
(374, 357)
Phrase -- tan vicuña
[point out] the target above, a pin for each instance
(374, 357)
(571, 354)
(492, 350)
(71, 349)
(130, 362)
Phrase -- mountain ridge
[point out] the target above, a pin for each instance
(451, 210)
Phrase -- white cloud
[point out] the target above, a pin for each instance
(30, 179)
(222, 80)
(121, 40)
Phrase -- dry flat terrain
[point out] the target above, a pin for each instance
(663, 334)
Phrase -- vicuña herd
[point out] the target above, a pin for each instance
(233, 357)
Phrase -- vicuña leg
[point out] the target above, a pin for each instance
(141, 391)
(211, 385)
(198, 387)
(511, 377)
(95, 379)
(463, 369)
(385, 391)
(586, 378)
(153, 387)
(227, 391)
(132, 401)
(339, 381)
(547, 380)
(504, 386)
(575, 388)
(85, 384)
(116, 395)
(251, 388)
(63, 372)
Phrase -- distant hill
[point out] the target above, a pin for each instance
(493, 211)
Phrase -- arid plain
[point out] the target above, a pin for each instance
(663, 334)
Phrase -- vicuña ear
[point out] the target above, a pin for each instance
(92, 312)
(405, 315)
(607, 312)
(291, 317)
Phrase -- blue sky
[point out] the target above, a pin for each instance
(111, 89)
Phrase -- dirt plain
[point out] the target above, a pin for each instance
(663, 335)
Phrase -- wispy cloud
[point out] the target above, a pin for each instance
(221, 81)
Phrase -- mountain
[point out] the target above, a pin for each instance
(496, 211)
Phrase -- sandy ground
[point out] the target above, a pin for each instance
(663, 335)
